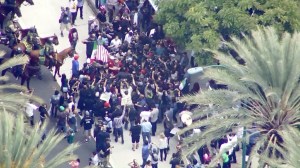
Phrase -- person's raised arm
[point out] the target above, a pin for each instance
(133, 80)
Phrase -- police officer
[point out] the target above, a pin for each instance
(10, 33)
(48, 51)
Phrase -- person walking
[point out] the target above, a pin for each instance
(30, 107)
(146, 131)
(145, 153)
(73, 37)
(80, 8)
(154, 118)
(73, 10)
(65, 20)
(64, 86)
(163, 146)
(54, 101)
(135, 132)
(43, 114)
(87, 123)
(101, 135)
(75, 66)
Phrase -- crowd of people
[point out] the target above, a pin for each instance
(135, 85)
(135, 88)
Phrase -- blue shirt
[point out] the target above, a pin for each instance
(75, 67)
(146, 126)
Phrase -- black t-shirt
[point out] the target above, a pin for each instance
(42, 111)
(87, 123)
(101, 137)
(136, 130)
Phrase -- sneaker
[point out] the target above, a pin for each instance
(81, 17)
(86, 140)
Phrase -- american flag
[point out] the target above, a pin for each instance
(99, 53)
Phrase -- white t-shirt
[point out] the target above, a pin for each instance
(145, 115)
(154, 115)
(116, 43)
(73, 6)
(29, 109)
(128, 38)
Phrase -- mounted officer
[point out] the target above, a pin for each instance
(30, 40)
(10, 32)
(48, 52)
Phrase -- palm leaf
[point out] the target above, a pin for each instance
(267, 87)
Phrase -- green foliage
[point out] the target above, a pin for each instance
(201, 24)
(267, 87)
(20, 143)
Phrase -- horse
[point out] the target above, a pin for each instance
(29, 70)
(5, 9)
(59, 59)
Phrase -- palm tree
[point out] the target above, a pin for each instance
(20, 145)
(266, 87)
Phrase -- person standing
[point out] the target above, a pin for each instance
(73, 10)
(62, 120)
(87, 123)
(145, 153)
(73, 37)
(30, 107)
(75, 66)
(153, 119)
(135, 132)
(146, 131)
(65, 20)
(163, 146)
(89, 42)
(80, 7)
(118, 126)
(54, 103)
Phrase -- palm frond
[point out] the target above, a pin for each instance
(267, 87)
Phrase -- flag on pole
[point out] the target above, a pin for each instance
(99, 53)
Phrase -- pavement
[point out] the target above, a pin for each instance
(44, 16)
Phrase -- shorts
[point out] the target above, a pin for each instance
(135, 139)
(88, 132)
(65, 26)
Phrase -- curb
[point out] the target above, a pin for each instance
(92, 6)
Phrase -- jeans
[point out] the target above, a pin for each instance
(80, 10)
(74, 14)
(153, 127)
(31, 119)
(163, 151)
(144, 162)
(119, 132)
(146, 135)
(154, 165)
(97, 4)
(53, 110)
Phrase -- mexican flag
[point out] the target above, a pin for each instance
(99, 53)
